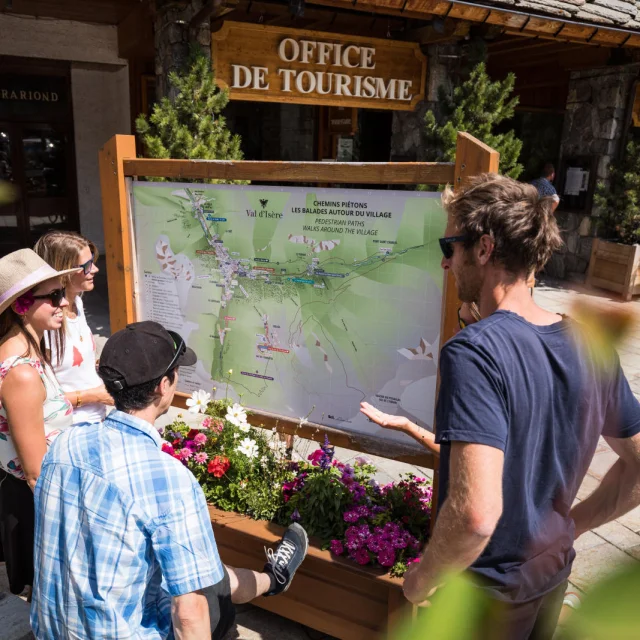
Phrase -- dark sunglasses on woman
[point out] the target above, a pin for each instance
(86, 267)
(55, 297)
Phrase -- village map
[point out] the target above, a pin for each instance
(298, 301)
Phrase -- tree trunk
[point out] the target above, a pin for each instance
(173, 35)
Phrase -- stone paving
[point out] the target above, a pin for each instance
(598, 551)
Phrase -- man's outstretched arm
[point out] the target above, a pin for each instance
(619, 491)
(466, 520)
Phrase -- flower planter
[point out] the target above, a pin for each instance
(329, 594)
(615, 267)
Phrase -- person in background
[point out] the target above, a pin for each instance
(33, 408)
(524, 398)
(545, 187)
(73, 348)
(123, 533)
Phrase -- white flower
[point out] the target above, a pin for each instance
(244, 427)
(198, 401)
(236, 415)
(249, 448)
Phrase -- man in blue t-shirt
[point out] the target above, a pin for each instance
(544, 185)
(521, 407)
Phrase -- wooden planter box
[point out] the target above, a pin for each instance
(615, 267)
(329, 594)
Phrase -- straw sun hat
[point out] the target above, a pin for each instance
(22, 270)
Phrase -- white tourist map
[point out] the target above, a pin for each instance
(298, 301)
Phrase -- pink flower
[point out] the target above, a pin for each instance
(201, 457)
(185, 453)
(386, 558)
(315, 457)
(362, 557)
(167, 448)
(200, 439)
(24, 303)
(336, 547)
(207, 422)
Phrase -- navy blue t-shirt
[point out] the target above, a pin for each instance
(535, 393)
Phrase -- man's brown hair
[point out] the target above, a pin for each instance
(520, 222)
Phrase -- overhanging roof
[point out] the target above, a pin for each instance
(604, 22)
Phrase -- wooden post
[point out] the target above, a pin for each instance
(117, 237)
(472, 158)
(630, 275)
(592, 261)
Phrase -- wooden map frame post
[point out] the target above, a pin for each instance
(332, 595)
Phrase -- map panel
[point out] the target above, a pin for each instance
(298, 301)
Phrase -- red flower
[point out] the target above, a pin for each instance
(167, 448)
(219, 466)
(193, 433)
(177, 442)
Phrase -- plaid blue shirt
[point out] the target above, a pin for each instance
(544, 187)
(120, 528)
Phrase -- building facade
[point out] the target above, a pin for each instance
(74, 74)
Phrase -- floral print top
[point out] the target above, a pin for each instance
(57, 413)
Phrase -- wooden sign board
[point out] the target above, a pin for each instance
(276, 64)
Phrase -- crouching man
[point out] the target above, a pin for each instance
(124, 546)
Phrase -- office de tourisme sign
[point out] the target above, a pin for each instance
(276, 64)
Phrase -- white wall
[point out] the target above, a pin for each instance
(99, 93)
(100, 110)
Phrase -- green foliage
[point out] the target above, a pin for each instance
(619, 204)
(190, 126)
(456, 613)
(609, 610)
(250, 485)
(477, 106)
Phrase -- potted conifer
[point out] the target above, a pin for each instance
(615, 255)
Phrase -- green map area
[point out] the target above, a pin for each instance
(313, 299)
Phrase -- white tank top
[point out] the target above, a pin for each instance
(77, 371)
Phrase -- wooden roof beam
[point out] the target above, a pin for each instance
(514, 23)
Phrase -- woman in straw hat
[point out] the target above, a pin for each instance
(73, 349)
(33, 408)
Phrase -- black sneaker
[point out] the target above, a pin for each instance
(284, 563)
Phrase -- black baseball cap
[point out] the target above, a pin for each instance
(141, 352)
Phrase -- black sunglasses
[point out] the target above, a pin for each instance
(180, 346)
(86, 267)
(55, 297)
(446, 245)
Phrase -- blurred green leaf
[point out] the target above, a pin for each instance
(7, 192)
(455, 613)
(609, 611)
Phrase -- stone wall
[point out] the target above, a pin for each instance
(173, 37)
(93, 87)
(407, 143)
(594, 124)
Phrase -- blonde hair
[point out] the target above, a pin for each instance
(61, 250)
(521, 223)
